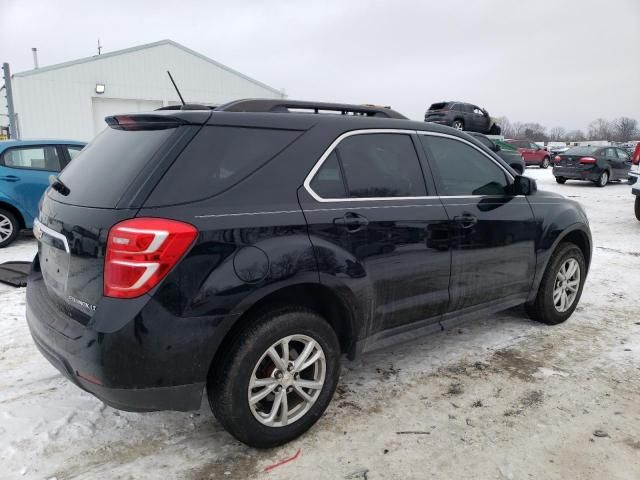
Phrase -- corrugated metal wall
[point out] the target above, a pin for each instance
(58, 103)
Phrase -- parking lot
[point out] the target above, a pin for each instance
(502, 398)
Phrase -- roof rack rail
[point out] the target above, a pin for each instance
(188, 106)
(299, 106)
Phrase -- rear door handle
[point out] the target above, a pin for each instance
(466, 221)
(353, 222)
(10, 178)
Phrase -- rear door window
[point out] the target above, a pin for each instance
(461, 170)
(623, 155)
(328, 182)
(373, 165)
(32, 158)
(216, 159)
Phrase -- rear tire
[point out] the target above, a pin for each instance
(561, 180)
(247, 369)
(9, 228)
(637, 207)
(545, 163)
(458, 124)
(545, 307)
(603, 179)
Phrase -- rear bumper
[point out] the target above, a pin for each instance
(156, 361)
(180, 398)
(576, 174)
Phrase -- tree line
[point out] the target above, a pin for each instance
(621, 129)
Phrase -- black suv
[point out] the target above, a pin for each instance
(243, 250)
(462, 116)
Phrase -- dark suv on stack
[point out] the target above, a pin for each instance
(242, 250)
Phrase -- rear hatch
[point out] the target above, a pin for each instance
(105, 184)
(437, 110)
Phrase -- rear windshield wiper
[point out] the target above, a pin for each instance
(58, 185)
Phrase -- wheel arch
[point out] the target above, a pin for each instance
(577, 234)
(17, 213)
(328, 303)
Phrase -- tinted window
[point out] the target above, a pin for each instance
(216, 159)
(108, 165)
(328, 181)
(381, 165)
(438, 106)
(462, 170)
(36, 158)
(611, 153)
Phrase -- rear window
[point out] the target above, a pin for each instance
(101, 173)
(216, 159)
(581, 151)
(439, 106)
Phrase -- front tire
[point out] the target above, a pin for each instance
(9, 228)
(561, 180)
(545, 163)
(458, 124)
(637, 207)
(603, 179)
(561, 286)
(632, 180)
(277, 378)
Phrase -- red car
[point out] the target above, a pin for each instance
(532, 153)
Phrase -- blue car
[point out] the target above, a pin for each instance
(25, 166)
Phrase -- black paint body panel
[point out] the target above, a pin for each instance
(411, 270)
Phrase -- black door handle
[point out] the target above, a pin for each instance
(466, 220)
(10, 178)
(353, 222)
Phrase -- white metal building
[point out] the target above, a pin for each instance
(63, 100)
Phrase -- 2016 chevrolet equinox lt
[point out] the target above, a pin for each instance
(243, 250)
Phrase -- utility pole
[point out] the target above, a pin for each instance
(99, 47)
(13, 130)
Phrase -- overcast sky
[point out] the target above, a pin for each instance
(559, 63)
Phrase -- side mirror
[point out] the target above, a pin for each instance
(545, 149)
(496, 147)
(524, 186)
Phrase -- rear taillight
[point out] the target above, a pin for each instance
(557, 159)
(587, 160)
(141, 251)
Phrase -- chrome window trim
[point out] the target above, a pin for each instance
(336, 142)
(37, 225)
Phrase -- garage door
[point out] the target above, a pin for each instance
(104, 107)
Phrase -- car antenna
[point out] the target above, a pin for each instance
(176, 87)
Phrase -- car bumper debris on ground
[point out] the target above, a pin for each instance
(499, 398)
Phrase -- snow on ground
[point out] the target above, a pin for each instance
(501, 398)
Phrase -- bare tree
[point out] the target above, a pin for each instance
(625, 129)
(575, 136)
(557, 134)
(600, 129)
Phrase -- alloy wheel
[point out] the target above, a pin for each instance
(457, 125)
(287, 381)
(566, 285)
(604, 178)
(6, 227)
